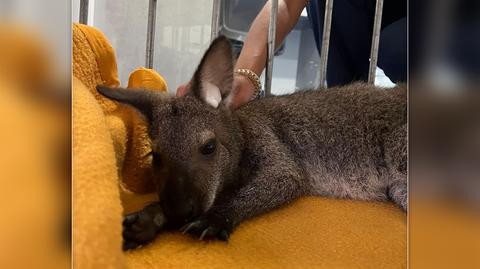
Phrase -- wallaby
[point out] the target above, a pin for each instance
(216, 167)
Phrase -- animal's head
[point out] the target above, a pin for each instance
(195, 140)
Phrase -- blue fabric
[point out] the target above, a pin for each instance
(350, 39)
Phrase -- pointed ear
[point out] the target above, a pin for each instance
(213, 79)
(141, 100)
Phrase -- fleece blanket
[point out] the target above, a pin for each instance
(110, 180)
(33, 163)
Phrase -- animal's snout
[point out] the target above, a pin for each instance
(179, 212)
(179, 204)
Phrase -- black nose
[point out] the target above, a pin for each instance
(179, 205)
(179, 212)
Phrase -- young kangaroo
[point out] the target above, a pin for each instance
(216, 167)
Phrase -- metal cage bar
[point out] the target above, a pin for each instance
(272, 29)
(375, 41)
(152, 14)
(327, 26)
(83, 13)
(215, 19)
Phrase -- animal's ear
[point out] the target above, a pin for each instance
(213, 79)
(142, 100)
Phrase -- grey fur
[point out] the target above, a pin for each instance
(348, 142)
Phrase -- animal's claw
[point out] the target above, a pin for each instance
(209, 226)
(189, 226)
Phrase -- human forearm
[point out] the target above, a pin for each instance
(254, 51)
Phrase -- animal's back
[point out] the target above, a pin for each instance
(343, 138)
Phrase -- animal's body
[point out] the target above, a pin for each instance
(348, 142)
(220, 166)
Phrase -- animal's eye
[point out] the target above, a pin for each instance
(209, 147)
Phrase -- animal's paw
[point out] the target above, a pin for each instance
(141, 227)
(209, 226)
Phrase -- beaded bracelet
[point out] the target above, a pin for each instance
(253, 78)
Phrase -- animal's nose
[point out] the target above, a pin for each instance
(178, 208)
(180, 213)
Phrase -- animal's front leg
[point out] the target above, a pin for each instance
(212, 224)
(143, 226)
(272, 187)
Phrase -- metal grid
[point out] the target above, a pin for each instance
(150, 46)
(375, 41)
(215, 19)
(83, 18)
(327, 25)
(83, 14)
(272, 30)
(325, 44)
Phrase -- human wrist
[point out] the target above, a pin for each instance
(250, 81)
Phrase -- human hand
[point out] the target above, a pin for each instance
(182, 89)
(242, 92)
